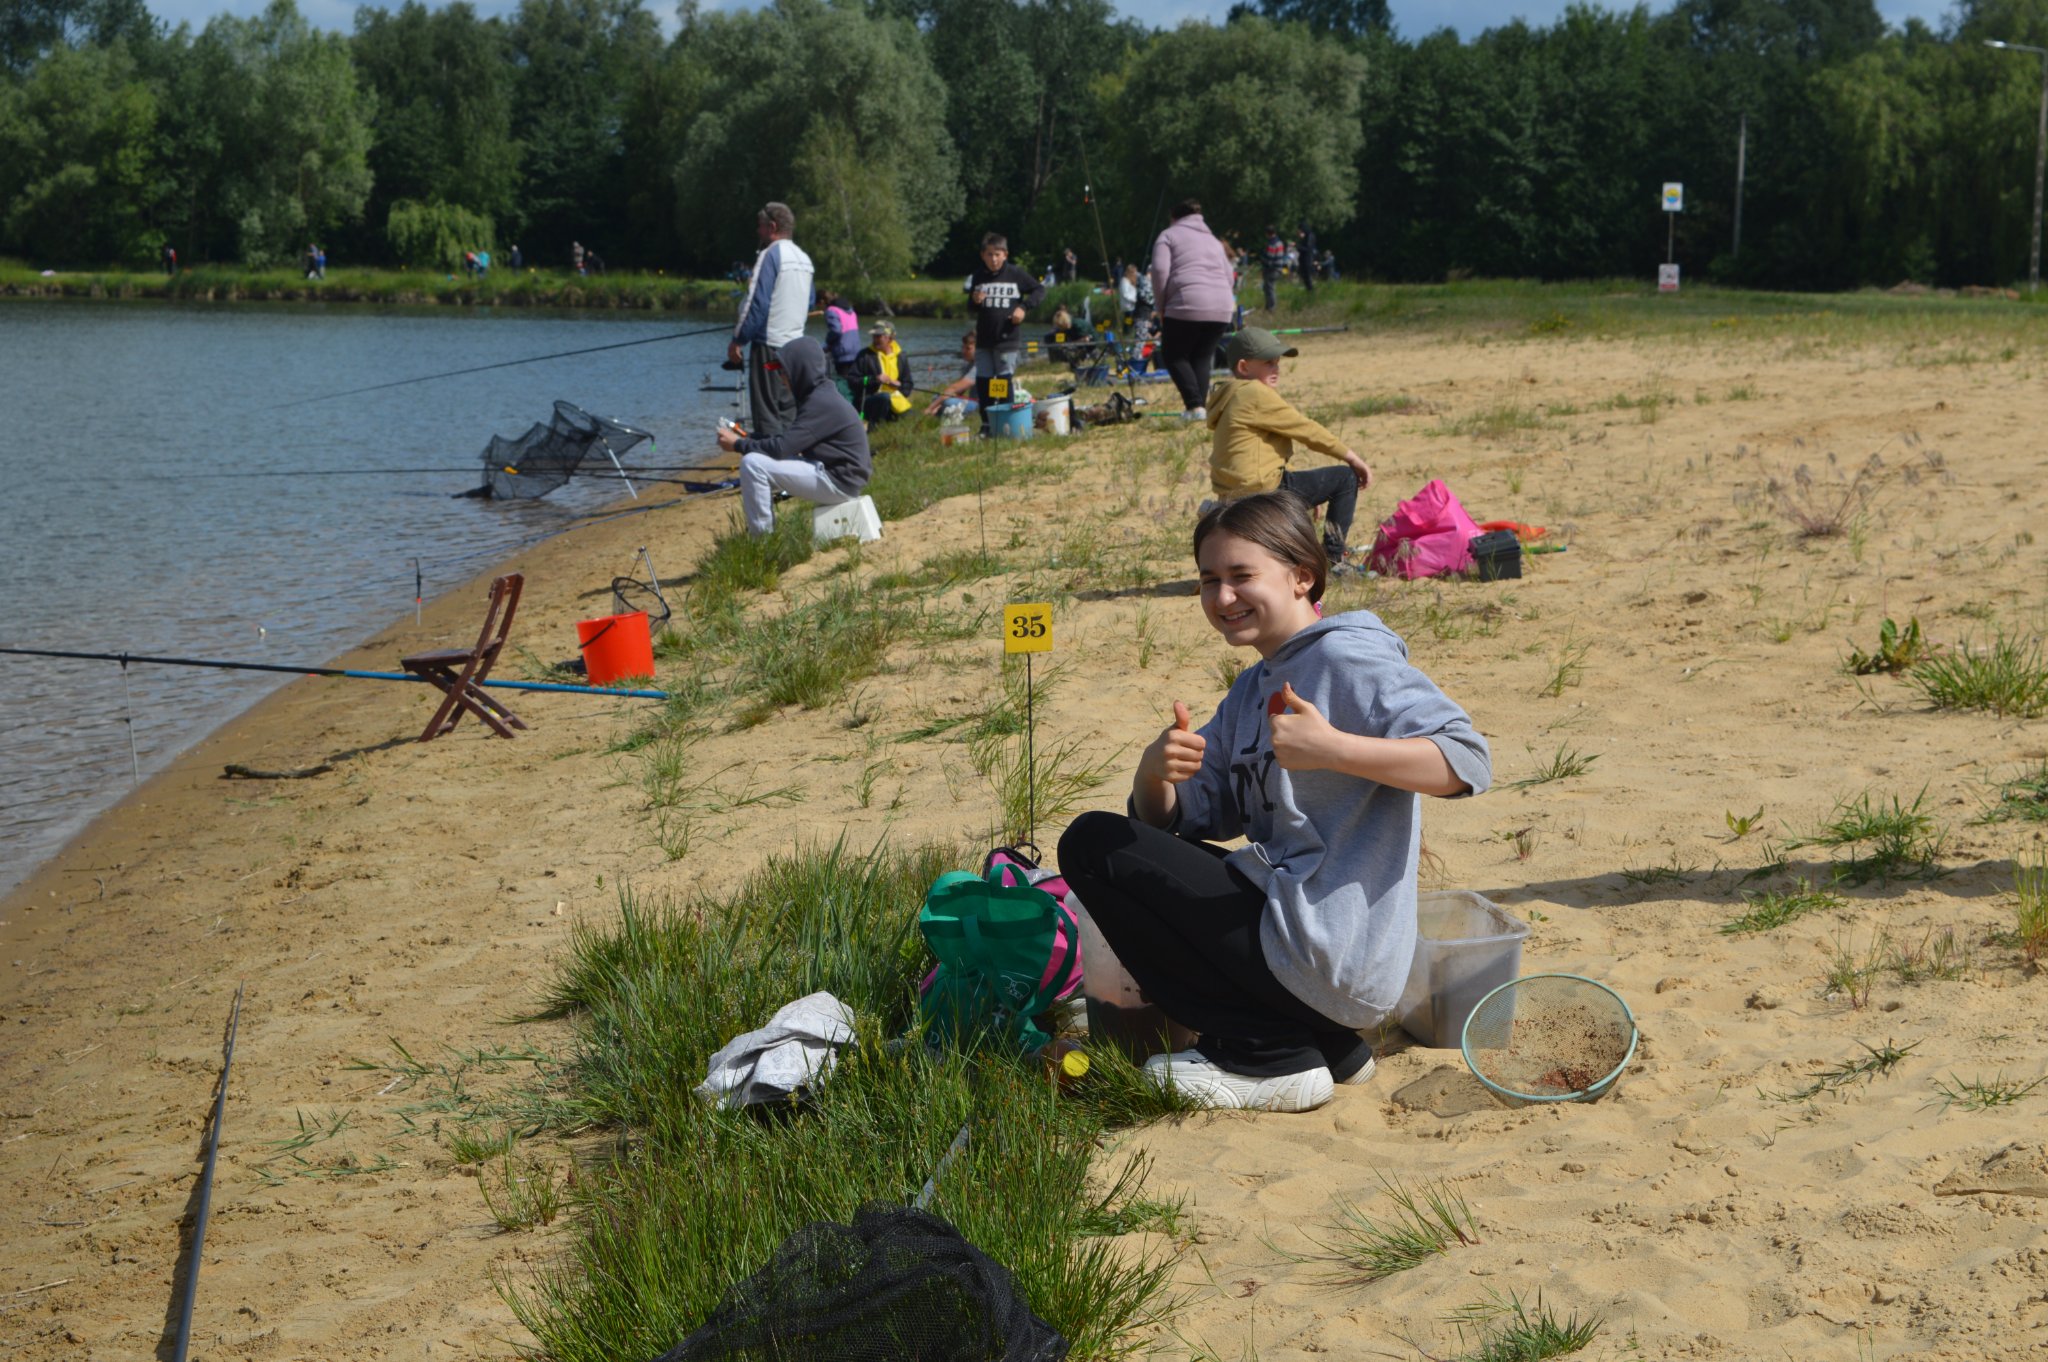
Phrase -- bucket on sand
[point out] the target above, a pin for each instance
(1010, 421)
(1465, 947)
(1055, 415)
(616, 647)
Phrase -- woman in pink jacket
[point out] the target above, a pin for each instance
(1197, 297)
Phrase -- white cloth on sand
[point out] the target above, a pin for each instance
(796, 1046)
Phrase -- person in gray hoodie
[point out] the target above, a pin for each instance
(822, 457)
(1278, 953)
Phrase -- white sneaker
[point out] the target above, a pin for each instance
(1195, 414)
(1364, 1074)
(1187, 1072)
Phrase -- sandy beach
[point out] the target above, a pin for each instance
(391, 918)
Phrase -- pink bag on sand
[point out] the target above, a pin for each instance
(1427, 535)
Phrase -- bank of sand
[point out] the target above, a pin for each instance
(417, 895)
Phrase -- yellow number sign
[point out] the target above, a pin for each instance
(1027, 628)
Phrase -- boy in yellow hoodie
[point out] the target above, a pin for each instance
(1255, 430)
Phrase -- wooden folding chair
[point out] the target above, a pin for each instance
(459, 672)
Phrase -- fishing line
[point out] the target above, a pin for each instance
(506, 364)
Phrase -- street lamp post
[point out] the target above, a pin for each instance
(2040, 155)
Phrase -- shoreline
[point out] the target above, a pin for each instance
(440, 617)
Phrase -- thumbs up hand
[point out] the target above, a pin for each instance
(1301, 735)
(1176, 753)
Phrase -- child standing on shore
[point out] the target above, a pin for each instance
(1281, 952)
(1003, 296)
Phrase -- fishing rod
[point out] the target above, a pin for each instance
(220, 1111)
(513, 469)
(352, 673)
(506, 364)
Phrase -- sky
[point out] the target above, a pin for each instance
(1412, 18)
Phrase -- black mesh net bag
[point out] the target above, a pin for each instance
(549, 453)
(897, 1285)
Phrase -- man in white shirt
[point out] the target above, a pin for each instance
(772, 315)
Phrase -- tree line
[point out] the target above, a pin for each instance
(900, 130)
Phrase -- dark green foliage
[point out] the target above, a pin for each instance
(444, 126)
(903, 129)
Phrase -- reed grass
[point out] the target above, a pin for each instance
(1507, 1330)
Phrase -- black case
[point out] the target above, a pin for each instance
(1497, 555)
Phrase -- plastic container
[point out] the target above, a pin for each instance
(616, 647)
(1118, 1012)
(1465, 947)
(1010, 420)
(952, 434)
(1497, 556)
(1055, 414)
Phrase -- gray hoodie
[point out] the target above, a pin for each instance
(1336, 855)
(827, 430)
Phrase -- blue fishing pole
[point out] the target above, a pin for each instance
(352, 673)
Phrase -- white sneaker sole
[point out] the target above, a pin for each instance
(1363, 1076)
(1196, 1078)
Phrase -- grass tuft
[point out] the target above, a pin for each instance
(1779, 907)
(1981, 1094)
(1886, 839)
(1562, 764)
(1507, 1330)
(2008, 678)
(2030, 907)
(2024, 799)
(1423, 1225)
(1872, 1063)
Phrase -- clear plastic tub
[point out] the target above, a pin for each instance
(1466, 946)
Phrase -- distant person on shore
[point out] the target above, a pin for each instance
(842, 340)
(169, 258)
(1272, 264)
(1254, 434)
(884, 378)
(771, 316)
(320, 260)
(515, 259)
(958, 395)
(1072, 264)
(1197, 296)
(822, 455)
(1003, 296)
(576, 256)
(593, 262)
(1305, 241)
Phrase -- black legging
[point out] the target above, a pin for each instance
(1185, 925)
(1189, 349)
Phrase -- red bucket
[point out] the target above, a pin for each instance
(616, 647)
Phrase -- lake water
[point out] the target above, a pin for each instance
(129, 522)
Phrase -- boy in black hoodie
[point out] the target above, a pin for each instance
(1002, 295)
(823, 457)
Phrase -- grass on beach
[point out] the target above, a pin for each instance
(656, 1242)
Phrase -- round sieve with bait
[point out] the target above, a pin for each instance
(1550, 1038)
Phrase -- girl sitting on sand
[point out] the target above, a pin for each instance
(1278, 953)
